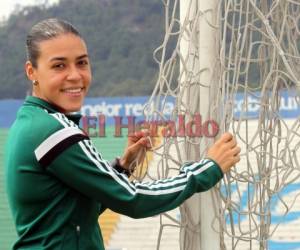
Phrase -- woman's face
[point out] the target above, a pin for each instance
(63, 72)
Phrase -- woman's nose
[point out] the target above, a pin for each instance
(74, 74)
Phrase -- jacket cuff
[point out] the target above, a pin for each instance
(117, 166)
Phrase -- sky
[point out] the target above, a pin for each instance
(7, 6)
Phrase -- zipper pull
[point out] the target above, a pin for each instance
(78, 229)
(78, 235)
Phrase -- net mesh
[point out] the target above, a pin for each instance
(255, 61)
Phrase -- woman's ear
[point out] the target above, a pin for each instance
(30, 71)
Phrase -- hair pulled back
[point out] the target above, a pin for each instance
(46, 30)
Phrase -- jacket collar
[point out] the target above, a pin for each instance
(35, 101)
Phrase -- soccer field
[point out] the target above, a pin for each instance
(7, 230)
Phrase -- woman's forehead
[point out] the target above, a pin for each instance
(62, 46)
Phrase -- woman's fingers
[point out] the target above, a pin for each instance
(137, 135)
(226, 137)
(138, 143)
(225, 152)
(236, 150)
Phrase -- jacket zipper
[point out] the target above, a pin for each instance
(77, 236)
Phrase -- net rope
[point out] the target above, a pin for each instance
(257, 59)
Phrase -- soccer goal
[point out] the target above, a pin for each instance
(234, 64)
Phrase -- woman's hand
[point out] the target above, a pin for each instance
(225, 152)
(135, 152)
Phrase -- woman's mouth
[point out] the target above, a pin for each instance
(74, 92)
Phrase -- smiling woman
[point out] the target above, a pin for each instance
(61, 74)
(57, 181)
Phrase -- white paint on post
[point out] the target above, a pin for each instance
(200, 208)
(208, 50)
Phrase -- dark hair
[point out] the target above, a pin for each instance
(45, 30)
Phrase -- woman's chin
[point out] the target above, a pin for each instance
(70, 108)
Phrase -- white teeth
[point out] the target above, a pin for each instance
(78, 90)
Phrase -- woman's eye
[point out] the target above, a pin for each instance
(83, 62)
(58, 66)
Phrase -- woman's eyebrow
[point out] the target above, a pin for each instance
(58, 59)
(64, 58)
(83, 56)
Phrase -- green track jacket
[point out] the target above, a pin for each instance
(58, 183)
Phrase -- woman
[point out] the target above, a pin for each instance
(57, 182)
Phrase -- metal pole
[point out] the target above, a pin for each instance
(200, 54)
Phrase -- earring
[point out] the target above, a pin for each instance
(35, 82)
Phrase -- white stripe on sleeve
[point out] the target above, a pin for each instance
(55, 139)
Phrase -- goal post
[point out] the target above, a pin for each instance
(198, 49)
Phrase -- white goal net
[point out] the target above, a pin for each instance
(235, 63)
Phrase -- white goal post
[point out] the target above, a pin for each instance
(199, 47)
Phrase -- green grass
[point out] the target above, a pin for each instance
(108, 146)
(7, 229)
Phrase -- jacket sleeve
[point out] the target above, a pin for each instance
(79, 165)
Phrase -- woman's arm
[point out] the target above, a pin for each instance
(81, 167)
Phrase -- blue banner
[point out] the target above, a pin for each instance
(251, 105)
(248, 107)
